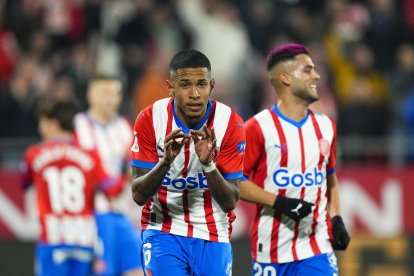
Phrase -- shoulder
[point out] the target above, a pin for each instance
(156, 108)
(222, 109)
(32, 150)
(323, 118)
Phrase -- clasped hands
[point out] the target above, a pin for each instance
(204, 144)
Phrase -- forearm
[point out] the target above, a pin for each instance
(252, 193)
(225, 193)
(147, 183)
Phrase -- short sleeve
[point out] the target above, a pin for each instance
(231, 156)
(254, 146)
(143, 149)
(330, 168)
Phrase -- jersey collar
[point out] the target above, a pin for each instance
(185, 128)
(298, 124)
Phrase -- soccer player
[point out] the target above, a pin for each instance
(65, 178)
(100, 128)
(187, 159)
(290, 166)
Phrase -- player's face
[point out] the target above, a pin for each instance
(105, 97)
(304, 79)
(191, 88)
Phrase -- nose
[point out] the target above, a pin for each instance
(195, 93)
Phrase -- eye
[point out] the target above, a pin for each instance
(202, 84)
(184, 85)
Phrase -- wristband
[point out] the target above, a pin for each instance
(209, 167)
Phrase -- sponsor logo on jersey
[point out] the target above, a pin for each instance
(283, 178)
(190, 182)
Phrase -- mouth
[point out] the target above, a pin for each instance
(195, 106)
(313, 87)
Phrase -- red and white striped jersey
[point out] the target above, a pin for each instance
(292, 159)
(111, 140)
(66, 177)
(184, 205)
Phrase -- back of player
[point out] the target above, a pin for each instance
(65, 178)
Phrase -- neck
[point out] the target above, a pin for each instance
(100, 117)
(293, 111)
(61, 135)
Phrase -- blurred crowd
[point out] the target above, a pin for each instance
(363, 50)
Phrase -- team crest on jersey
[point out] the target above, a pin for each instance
(324, 147)
(135, 147)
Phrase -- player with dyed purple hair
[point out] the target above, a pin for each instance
(289, 172)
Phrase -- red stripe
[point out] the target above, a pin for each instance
(319, 136)
(208, 210)
(162, 194)
(145, 217)
(166, 220)
(210, 120)
(296, 231)
(254, 235)
(170, 117)
(187, 214)
(313, 242)
(302, 151)
(231, 217)
(282, 139)
(274, 239)
(283, 164)
(186, 159)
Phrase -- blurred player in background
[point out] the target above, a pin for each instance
(290, 163)
(187, 161)
(65, 178)
(102, 129)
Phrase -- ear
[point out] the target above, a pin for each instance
(285, 79)
(170, 88)
(212, 85)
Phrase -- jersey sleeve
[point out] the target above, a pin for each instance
(144, 150)
(230, 159)
(26, 171)
(111, 186)
(331, 167)
(254, 147)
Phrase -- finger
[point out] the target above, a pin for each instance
(198, 133)
(168, 144)
(207, 132)
(195, 138)
(213, 134)
(173, 134)
(214, 144)
(185, 140)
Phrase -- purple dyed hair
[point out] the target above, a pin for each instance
(284, 52)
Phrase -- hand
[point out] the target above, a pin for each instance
(205, 146)
(340, 235)
(292, 207)
(172, 147)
